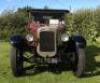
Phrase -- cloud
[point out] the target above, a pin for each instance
(0, 12)
(9, 0)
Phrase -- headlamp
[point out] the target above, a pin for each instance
(29, 37)
(64, 37)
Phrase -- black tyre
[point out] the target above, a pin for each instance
(78, 65)
(16, 61)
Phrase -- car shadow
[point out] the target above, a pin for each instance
(92, 66)
(55, 69)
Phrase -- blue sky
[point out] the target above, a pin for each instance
(60, 4)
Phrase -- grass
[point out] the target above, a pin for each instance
(92, 74)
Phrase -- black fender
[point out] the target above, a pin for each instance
(18, 41)
(79, 40)
(68, 46)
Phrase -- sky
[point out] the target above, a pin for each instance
(54, 4)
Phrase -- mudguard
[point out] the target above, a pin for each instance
(79, 40)
(18, 41)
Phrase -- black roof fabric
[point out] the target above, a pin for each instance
(48, 11)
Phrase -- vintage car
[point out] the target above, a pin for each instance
(47, 43)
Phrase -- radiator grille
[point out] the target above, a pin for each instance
(47, 41)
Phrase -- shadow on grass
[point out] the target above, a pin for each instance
(55, 69)
(92, 66)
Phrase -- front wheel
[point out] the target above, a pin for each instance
(78, 65)
(16, 61)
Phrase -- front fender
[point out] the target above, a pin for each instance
(18, 41)
(80, 41)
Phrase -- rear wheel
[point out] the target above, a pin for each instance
(16, 61)
(78, 63)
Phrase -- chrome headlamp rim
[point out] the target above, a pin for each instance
(64, 37)
(29, 37)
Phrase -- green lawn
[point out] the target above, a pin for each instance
(92, 74)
